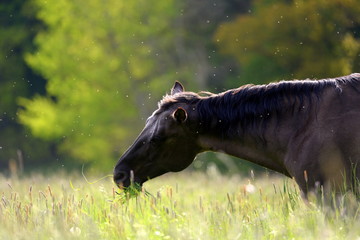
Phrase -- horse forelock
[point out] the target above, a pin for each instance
(184, 97)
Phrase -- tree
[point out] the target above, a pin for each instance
(102, 59)
(17, 30)
(197, 23)
(297, 39)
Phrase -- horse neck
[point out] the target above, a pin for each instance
(220, 135)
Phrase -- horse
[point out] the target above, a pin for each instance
(308, 130)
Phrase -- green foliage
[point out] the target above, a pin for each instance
(197, 23)
(17, 29)
(101, 60)
(294, 38)
(107, 62)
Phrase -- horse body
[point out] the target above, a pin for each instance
(326, 151)
(308, 130)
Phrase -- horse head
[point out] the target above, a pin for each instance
(168, 142)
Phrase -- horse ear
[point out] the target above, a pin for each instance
(177, 88)
(180, 115)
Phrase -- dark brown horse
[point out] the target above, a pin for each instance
(307, 130)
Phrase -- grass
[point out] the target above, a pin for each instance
(180, 206)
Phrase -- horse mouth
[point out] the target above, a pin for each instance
(125, 185)
(125, 179)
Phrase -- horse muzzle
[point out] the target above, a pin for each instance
(124, 177)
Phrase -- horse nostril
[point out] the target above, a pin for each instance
(120, 176)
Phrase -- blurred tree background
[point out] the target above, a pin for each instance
(17, 31)
(77, 79)
(294, 39)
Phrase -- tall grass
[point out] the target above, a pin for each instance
(180, 206)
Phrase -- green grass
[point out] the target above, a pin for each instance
(181, 206)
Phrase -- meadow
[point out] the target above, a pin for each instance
(187, 205)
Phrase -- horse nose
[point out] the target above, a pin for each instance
(120, 177)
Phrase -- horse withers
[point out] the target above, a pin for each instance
(305, 129)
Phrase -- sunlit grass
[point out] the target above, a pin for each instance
(175, 206)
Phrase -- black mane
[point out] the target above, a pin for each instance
(252, 106)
